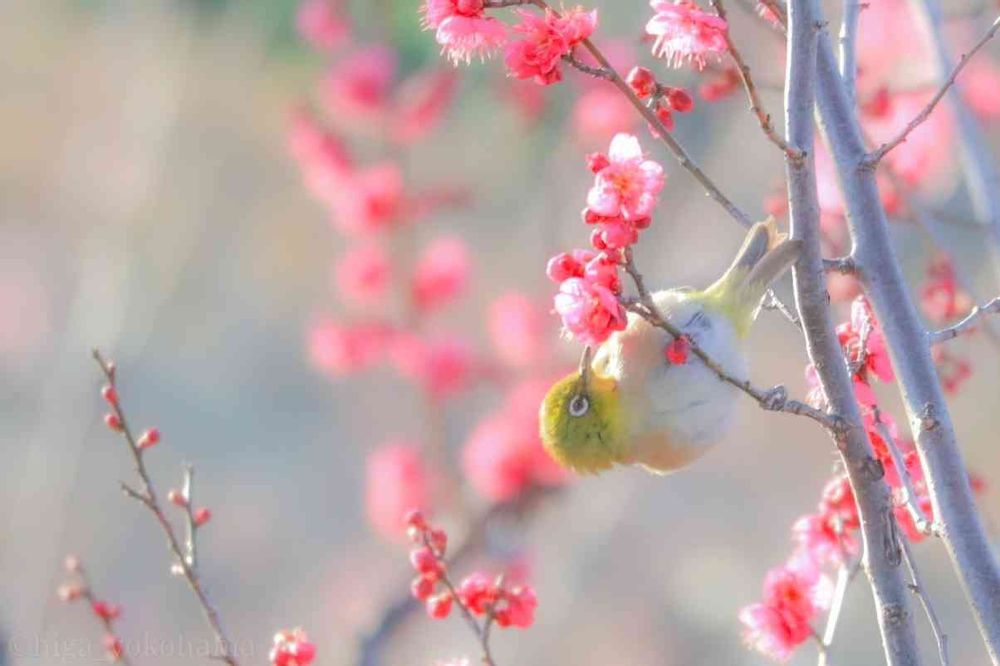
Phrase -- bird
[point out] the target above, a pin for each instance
(627, 404)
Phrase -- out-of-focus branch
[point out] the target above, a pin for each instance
(845, 576)
(85, 590)
(881, 276)
(876, 155)
(146, 496)
(970, 320)
(917, 587)
(756, 106)
(775, 399)
(874, 502)
(920, 521)
(396, 612)
(982, 178)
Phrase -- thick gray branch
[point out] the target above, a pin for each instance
(948, 485)
(881, 547)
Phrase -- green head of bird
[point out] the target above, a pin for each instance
(582, 425)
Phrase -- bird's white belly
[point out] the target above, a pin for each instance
(675, 412)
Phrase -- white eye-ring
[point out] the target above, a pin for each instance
(579, 405)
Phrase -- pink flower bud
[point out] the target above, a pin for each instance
(149, 438)
(642, 82)
(439, 606)
(113, 422)
(176, 498)
(202, 516)
(110, 395)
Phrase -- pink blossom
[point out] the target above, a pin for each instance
(601, 112)
(629, 186)
(363, 274)
(441, 274)
(546, 39)
(396, 481)
(980, 86)
(443, 366)
(590, 312)
(685, 33)
(824, 538)
(516, 325)
(322, 157)
(369, 199)
(422, 102)
(838, 500)
(340, 349)
(566, 265)
(504, 455)
(357, 88)
(793, 595)
(462, 28)
(941, 299)
(876, 352)
(952, 370)
(292, 648)
(320, 24)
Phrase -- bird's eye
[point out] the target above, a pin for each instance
(579, 405)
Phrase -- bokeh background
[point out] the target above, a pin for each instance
(148, 206)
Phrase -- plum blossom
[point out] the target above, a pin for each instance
(441, 274)
(421, 103)
(516, 325)
(292, 648)
(320, 24)
(546, 39)
(589, 311)
(342, 349)
(462, 28)
(362, 275)
(442, 366)
(358, 86)
(396, 480)
(629, 185)
(685, 33)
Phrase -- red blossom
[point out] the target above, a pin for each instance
(684, 33)
(545, 40)
(292, 648)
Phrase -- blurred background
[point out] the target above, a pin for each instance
(150, 206)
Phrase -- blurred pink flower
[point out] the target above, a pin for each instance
(685, 33)
(369, 199)
(517, 329)
(396, 481)
(546, 38)
(322, 157)
(441, 273)
(422, 101)
(980, 85)
(356, 89)
(363, 274)
(462, 28)
(292, 648)
(504, 456)
(629, 185)
(824, 539)
(601, 112)
(590, 312)
(941, 298)
(320, 24)
(342, 349)
(443, 366)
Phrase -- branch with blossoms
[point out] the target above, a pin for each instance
(78, 588)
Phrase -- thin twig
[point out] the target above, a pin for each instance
(108, 623)
(909, 499)
(845, 575)
(876, 156)
(775, 399)
(966, 324)
(917, 587)
(147, 497)
(756, 106)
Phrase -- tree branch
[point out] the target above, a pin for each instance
(848, 47)
(876, 156)
(947, 480)
(147, 497)
(917, 587)
(955, 330)
(756, 106)
(866, 475)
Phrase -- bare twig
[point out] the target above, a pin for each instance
(775, 399)
(909, 498)
(876, 156)
(917, 587)
(146, 496)
(845, 575)
(966, 324)
(756, 106)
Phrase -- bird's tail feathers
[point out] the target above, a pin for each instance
(764, 257)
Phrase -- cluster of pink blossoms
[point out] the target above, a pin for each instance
(292, 648)
(684, 33)
(619, 205)
(480, 595)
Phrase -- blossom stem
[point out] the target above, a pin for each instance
(876, 155)
(756, 105)
(148, 498)
(865, 474)
(993, 307)
(917, 587)
(107, 622)
(920, 521)
(775, 399)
